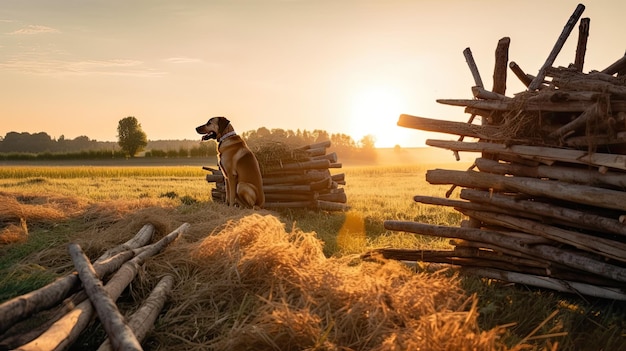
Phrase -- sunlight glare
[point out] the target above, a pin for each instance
(375, 111)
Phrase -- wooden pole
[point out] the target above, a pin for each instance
(120, 334)
(501, 61)
(581, 48)
(520, 74)
(469, 58)
(534, 85)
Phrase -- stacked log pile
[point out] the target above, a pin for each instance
(68, 305)
(545, 202)
(294, 178)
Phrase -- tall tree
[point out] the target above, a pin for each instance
(131, 138)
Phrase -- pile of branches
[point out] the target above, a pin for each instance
(54, 316)
(545, 201)
(293, 177)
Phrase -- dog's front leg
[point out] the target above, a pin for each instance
(231, 190)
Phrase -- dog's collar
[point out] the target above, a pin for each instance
(226, 136)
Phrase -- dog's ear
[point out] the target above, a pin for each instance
(222, 123)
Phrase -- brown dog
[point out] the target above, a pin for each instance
(244, 185)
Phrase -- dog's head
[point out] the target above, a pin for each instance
(214, 128)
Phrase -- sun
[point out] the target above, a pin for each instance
(375, 111)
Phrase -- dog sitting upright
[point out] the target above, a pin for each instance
(244, 184)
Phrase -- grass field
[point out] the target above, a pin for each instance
(45, 207)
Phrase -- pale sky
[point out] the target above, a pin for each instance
(77, 67)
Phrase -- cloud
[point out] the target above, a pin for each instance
(118, 67)
(182, 60)
(35, 29)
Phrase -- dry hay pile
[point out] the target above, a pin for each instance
(254, 286)
(272, 153)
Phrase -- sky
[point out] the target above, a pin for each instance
(77, 67)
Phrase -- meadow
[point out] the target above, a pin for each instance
(43, 208)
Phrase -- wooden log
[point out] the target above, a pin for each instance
(582, 194)
(594, 244)
(308, 177)
(289, 197)
(67, 329)
(214, 178)
(526, 79)
(332, 157)
(566, 257)
(24, 306)
(534, 85)
(501, 61)
(333, 197)
(288, 204)
(530, 105)
(143, 319)
(120, 334)
(584, 176)
(591, 113)
(587, 84)
(603, 139)
(469, 58)
(536, 152)
(482, 93)
(581, 48)
(317, 164)
(616, 67)
(548, 283)
(573, 218)
(457, 128)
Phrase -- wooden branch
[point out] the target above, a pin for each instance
(317, 164)
(321, 144)
(584, 176)
(530, 105)
(482, 93)
(499, 71)
(557, 47)
(120, 334)
(536, 152)
(458, 128)
(469, 58)
(591, 113)
(548, 283)
(143, 319)
(568, 258)
(582, 194)
(564, 215)
(526, 79)
(24, 306)
(594, 244)
(581, 48)
(67, 329)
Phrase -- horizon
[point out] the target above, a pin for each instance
(347, 67)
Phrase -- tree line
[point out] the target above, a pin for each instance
(132, 142)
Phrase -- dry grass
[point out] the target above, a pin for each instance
(254, 286)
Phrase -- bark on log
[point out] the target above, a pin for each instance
(581, 48)
(501, 61)
(602, 198)
(323, 144)
(526, 79)
(592, 112)
(120, 334)
(457, 128)
(530, 105)
(66, 330)
(143, 319)
(317, 164)
(469, 58)
(24, 306)
(482, 93)
(567, 216)
(557, 47)
(597, 245)
(536, 152)
(548, 283)
(566, 174)
(566, 257)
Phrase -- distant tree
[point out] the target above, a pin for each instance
(130, 136)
